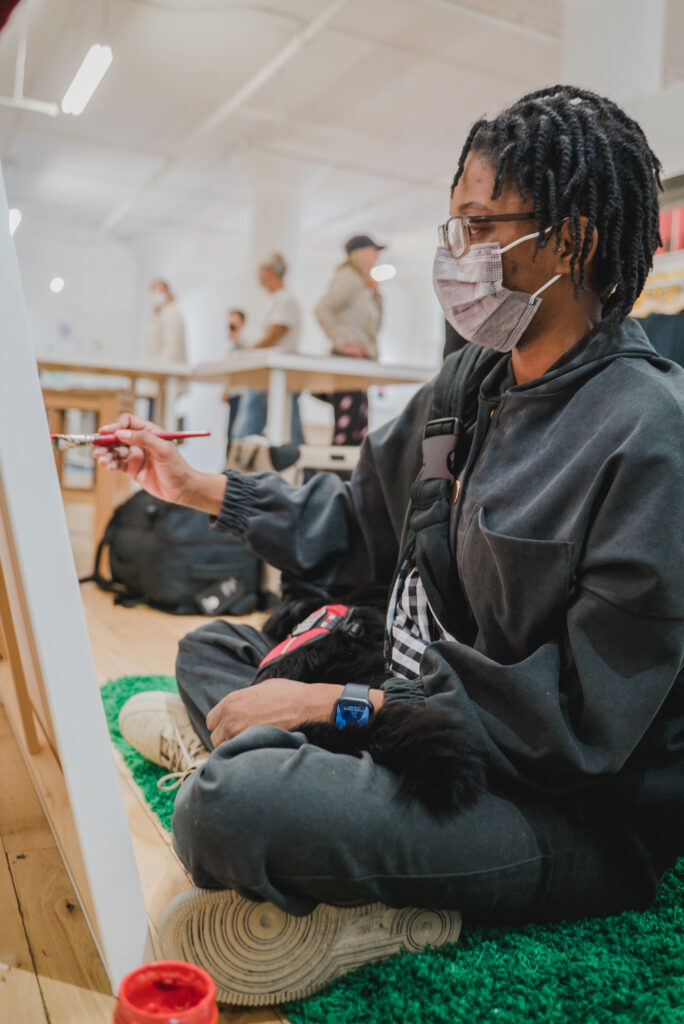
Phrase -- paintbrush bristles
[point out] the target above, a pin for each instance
(64, 441)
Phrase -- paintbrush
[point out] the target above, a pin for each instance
(63, 441)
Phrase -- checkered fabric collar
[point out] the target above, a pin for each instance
(411, 626)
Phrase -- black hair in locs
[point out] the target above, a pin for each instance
(579, 154)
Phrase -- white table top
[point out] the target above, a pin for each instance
(83, 363)
(244, 368)
(309, 371)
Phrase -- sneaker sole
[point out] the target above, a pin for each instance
(258, 955)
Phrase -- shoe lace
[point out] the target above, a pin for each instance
(184, 755)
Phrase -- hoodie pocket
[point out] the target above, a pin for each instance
(518, 589)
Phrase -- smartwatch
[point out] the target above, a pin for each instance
(354, 707)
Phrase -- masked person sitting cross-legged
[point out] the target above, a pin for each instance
(523, 514)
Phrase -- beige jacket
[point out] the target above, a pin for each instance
(350, 311)
(166, 336)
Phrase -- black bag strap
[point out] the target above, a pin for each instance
(447, 438)
(124, 594)
(447, 434)
(96, 575)
(458, 383)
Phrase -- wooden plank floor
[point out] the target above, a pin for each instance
(50, 970)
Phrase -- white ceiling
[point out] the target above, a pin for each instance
(367, 118)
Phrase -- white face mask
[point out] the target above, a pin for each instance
(158, 299)
(473, 298)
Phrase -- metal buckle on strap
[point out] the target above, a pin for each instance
(440, 440)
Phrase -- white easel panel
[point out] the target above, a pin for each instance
(74, 772)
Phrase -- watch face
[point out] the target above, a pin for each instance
(349, 711)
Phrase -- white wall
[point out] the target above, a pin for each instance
(97, 311)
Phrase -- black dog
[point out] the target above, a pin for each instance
(320, 640)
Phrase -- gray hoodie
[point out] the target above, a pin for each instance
(564, 584)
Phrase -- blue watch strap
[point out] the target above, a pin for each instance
(353, 706)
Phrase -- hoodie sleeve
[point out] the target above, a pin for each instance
(334, 534)
(579, 706)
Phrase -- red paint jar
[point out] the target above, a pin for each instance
(167, 992)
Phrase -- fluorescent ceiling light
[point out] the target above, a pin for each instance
(56, 284)
(383, 272)
(87, 79)
(14, 219)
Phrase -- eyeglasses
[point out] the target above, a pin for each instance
(455, 234)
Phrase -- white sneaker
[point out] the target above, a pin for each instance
(258, 955)
(156, 724)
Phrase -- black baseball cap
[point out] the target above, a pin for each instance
(360, 242)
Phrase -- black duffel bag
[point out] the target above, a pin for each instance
(169, 557)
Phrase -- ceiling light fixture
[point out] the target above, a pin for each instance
(14, 219)
(87, 79)
(56, 285)
(383, 272)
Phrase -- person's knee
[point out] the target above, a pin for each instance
(193, 651)
(231, 811)
(206, 832)
(192, 640)
(198, 638)
(188, 657)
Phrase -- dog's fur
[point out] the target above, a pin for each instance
(426, 748)
(348, 653)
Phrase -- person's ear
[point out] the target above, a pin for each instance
(565, 247)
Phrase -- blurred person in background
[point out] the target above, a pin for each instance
(281, 326)
(236, 324)
(166, 333)
(165, 341)
(350, 313)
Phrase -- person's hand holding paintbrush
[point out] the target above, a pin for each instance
(158, 466)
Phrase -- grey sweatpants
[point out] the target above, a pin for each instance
(279, 819)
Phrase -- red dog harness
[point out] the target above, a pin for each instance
(321, 622)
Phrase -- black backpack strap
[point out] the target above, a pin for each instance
(458, 382)
(96, 575)
(124, 594)
(447, 438)
(454, 410)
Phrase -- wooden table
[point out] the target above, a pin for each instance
(282, 373)
(168, 375)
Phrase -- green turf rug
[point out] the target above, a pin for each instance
(627, 969)
(114, 696)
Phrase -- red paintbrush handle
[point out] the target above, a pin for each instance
(106, 440)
